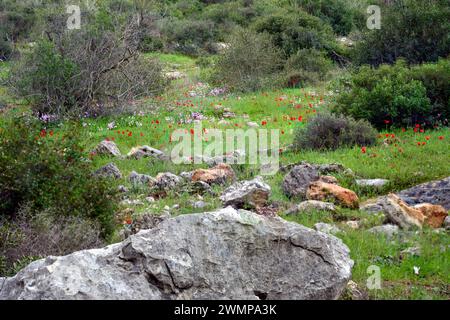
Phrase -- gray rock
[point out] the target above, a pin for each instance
(398, 212)
(388, 230)
(139, 180)
(146, 152)
(297, 181)
(312, 205)
(412, 251)
(247, 194)
(107, 148)
(434, 192)
(109, 171)
(122, 189)
(199, 204)
(447, 223)
(327, 228)
(246, 256)
(373, 183)
(167, 181)
(372, 208)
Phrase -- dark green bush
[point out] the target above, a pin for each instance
(190, 37)
(337, 13)
(293, 30)
(45, 169)
(415, 30)
(251, 62)
(386, 95)
(5, 49)
(307, 66)
(436, 79)
(329, 132)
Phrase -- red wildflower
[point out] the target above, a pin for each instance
(300, 118)
(441, 138)
(427, 137)
(363, 149)
(264, 123)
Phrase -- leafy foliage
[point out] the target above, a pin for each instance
(329, 132)
(45, 170)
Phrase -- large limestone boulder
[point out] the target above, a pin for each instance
(434, 215)
(227, 254)
(109, 171)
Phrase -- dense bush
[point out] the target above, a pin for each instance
(251, 62)
(416, 30)
(436, 79)
(307, 66)
(5, 49)
(396, 94)
(328, 132)
(44, 169)
(337, 13)
(191, 37)
(295, 30)
(30, 236)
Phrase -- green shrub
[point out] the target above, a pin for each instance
(295, 30)
(415, 30)
(328, 132)
(5, 49)
(386, 95)
(49, 170)
(436, 79)
(190, 37)
(307, 66)
(337, 13)
(251, 62)
(150, 44)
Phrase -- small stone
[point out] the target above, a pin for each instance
(139, 180)
(252, 124)
(122, 189)
(447, 223)
(199, 204)
(109, 171)
(355, 225)
(312, 205)
(150, 199)
(107, 148)
(373, 183)
(329, 179)
(145, 152)
(327, 228)
(247, 194)
(167, 181)
(412, 251)
(388, 230)
(353, 292)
